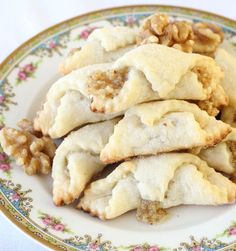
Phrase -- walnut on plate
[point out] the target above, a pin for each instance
(158, 29)
(34, 153)
(207, 38)
(203, 38)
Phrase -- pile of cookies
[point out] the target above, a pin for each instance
(158, 102)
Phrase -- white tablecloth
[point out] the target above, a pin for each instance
(20, 20)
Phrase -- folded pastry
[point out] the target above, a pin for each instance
(66, 107)
(77, 160)
(223, 155)
(162, 126)
(168, 179)
(228, 64)
(103, 45)
(151, 72)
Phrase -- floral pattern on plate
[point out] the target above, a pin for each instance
(6, 96)
(19, 203)
(18, 197)
(26, 72)
(5, 163)
(53, 223)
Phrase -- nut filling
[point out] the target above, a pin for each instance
(203, 76)
(150, 212)
(232, 147)
(107, 85)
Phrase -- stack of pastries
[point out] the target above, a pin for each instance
(160, 105)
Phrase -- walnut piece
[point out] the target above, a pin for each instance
(33, 153)
(150, 212)
(203, 38)
(158, 29)
(232, 147)
(107, 84)
(228, 115)
(27, 125)
(207, 38)
(216, 101)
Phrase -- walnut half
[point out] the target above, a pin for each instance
(203, 38)
(33, 153)
(207, 38)
(158, 29)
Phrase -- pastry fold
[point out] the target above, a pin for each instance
(228, 64)
(77, 160)
(169, 179)
(162, 126)
(67, 106)
(222, 156)
(103, 45)
(146, 73)
(152, 72)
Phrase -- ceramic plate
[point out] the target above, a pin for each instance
(25, 76)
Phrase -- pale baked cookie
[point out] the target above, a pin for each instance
(223, 155)
(67, 105)
(151, 72)
(103, 45)
(228, 64)
(146, 73)
(162, 126)
(77, 160)
(168, 179)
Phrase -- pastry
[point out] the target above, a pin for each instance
(103, 45)
(77, 160)
(66, 107)
(162, 126)
(151, 72)
(218, 101)
(170, 180)
(228, 64)
(223, 155)
(114, 90)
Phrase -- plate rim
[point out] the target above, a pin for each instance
(25, 46)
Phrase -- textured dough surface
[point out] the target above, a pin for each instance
(164, 73)
(162, 126)
(67, 105)
(103, 45)
(77, 160)
(228, 64)
(171, 179)
(221, 156)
